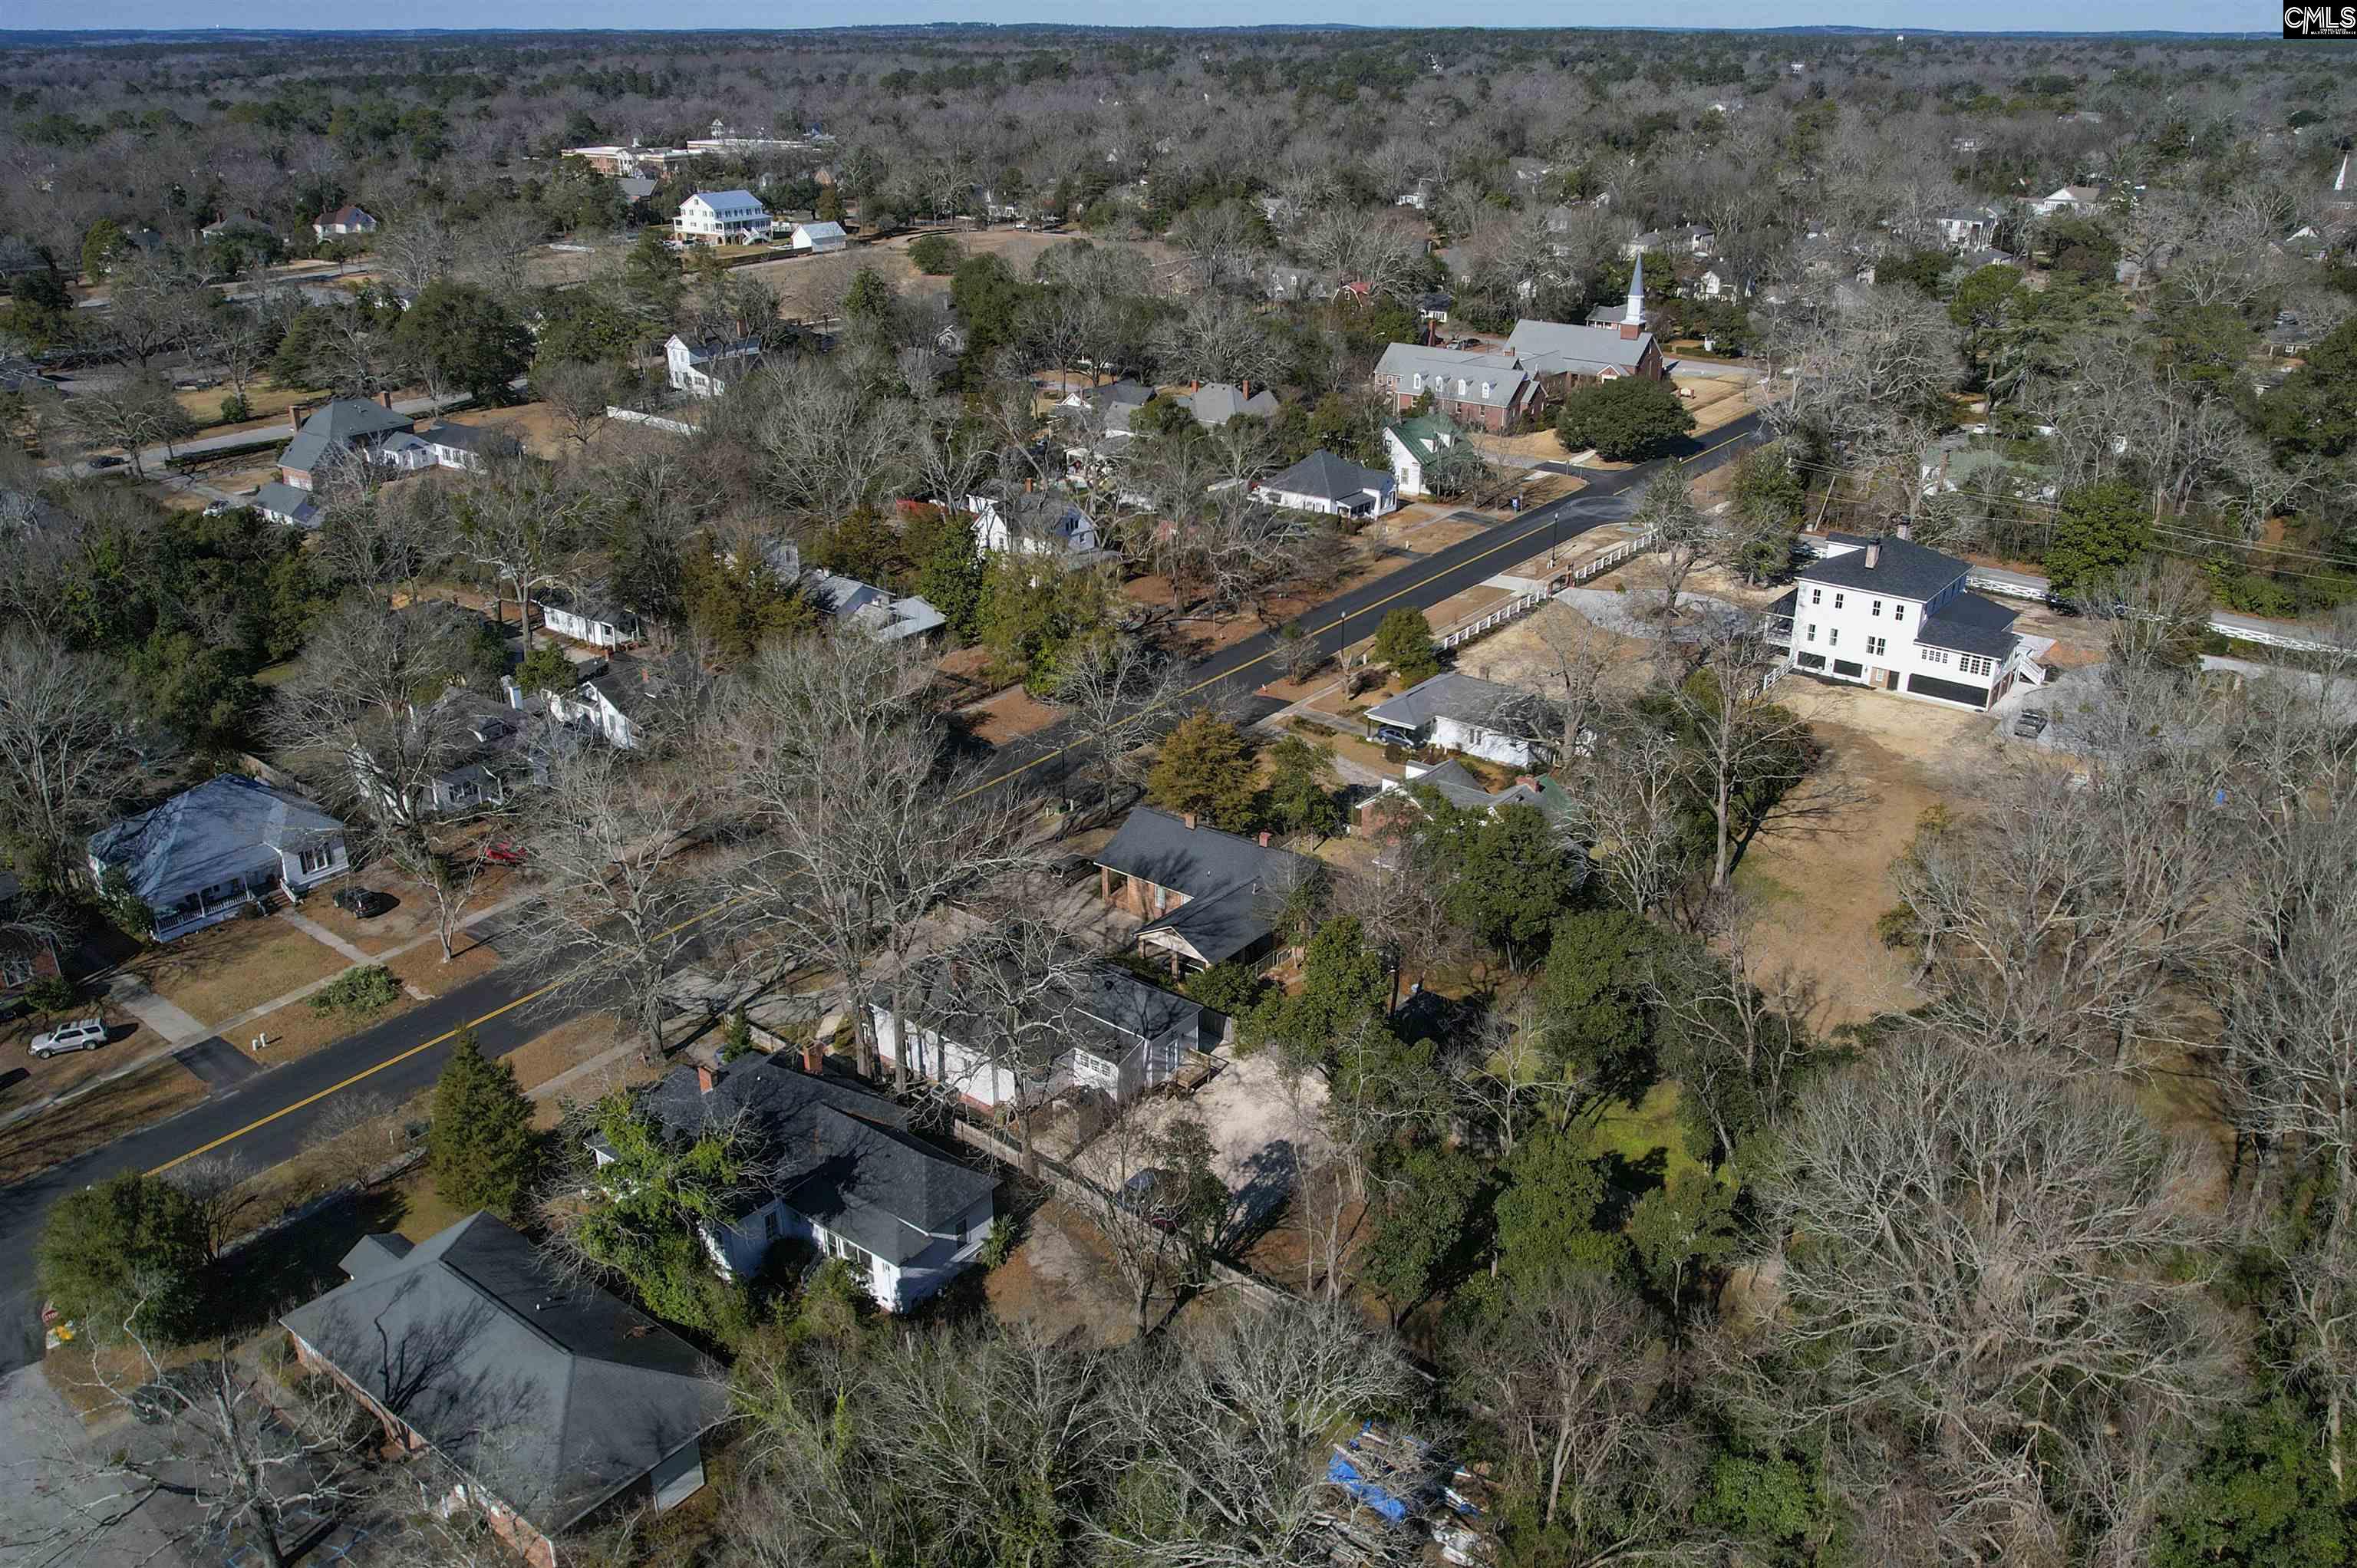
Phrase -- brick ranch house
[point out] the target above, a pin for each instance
(549, 1406)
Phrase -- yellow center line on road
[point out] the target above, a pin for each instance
(400, 1056)
(991, 783)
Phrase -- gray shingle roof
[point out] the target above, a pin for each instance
(1329, 478)
(221, 829)
(1442, 369)
(1216, 403)
(1558, 347)
(475, 439)
(1969, 623)
(1100, 1007)
(1903, 568)
(1233, 885)
(292, 502)
(351, 419)
(1465, 698)
(551, 1397)
(836, 1153)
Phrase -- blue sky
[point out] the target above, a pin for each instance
(1987, 15)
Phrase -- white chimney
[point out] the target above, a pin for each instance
(1873, 554)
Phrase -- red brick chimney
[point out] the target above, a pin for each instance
(295, 417)
(705, 1078)
(813, 1057)
(385, 397)
(1904, 530)
(1263, 838)
(1629, 331)
(1189, 818)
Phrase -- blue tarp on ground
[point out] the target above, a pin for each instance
(1343, 1474)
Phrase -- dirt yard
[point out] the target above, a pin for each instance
(1716, 400)
(159, 1089)
(223, 969)
(809, 286)
(1818, 893)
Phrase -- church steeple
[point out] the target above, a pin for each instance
(1632, 321)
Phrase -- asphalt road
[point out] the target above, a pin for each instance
(266, 1118)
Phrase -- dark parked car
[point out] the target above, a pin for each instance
(1153, 1196)
(363, 903)
(104, 461)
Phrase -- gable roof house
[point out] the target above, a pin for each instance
(620, 702)
(1965, 228)
(1322, 482)
(350, 425)
(236, 226)
(1887, 613)
(704, 368)
(218, 850)
(283, 502)
(721, 218)
(590, 619)
(882, 615)
(1215, 403)
(348, 218)
(1460, 713)
(466, 446)
(2068, 198)
(551, 1405)
(1207, 897)
(1604, 349)
(1032, 523)
(1485, 390)
(1101, 1028)
(842, 1170)
(1113, 403)
(1412, 445)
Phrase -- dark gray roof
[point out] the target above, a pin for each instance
(552, 1398)
(1233, 883)
(1465, 698)
(1323, 475)
(1969, 623)
(1558, 347)
(1456, 784)
(201, 837)
(306, 452)
(838, 1155)
(349, 419)
(470, 437)
(1216, 403)
(290, 501)
(1903, 569)
(1098, 1008)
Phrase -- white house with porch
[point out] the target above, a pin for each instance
(218, 850)
(722, 218)
(1891, 614)
(1324, 483)
(705, 367)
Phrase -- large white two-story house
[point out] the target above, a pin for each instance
(1890, 613)
(722, 218)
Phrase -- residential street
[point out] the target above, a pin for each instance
(266, 1118)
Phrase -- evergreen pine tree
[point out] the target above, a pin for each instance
(481, 1148)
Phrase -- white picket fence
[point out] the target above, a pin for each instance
(1491, 618)
(635, 417)
(1598, 565)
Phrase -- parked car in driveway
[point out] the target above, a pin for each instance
(82, 1035)
(362, 903)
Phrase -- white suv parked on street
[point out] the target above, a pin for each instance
(82, 1035)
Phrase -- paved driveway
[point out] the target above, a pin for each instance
(48, 1499)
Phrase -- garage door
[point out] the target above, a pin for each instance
(1954, 691)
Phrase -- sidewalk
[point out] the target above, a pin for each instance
(181, 1030)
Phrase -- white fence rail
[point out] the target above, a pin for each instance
(1490, 619)
(658, 421)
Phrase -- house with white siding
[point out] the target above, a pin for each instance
(841, 1169)
(722, 218)
(1886, 612)
(1098, 1027)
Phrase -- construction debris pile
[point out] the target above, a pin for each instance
(1395, 1482)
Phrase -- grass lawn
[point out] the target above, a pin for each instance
(1641, 1143)
(222, 971)
(267, 402)
(420, 1208)
(100, 1116)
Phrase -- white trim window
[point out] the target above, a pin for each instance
(1837, 601)
(316, 859)
(1878, 608)
(1876, 647)
(1933, 655)
(1813, 633)
(1899, 612)
(1816, 596)
(1833, 636)
(1974, 664)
